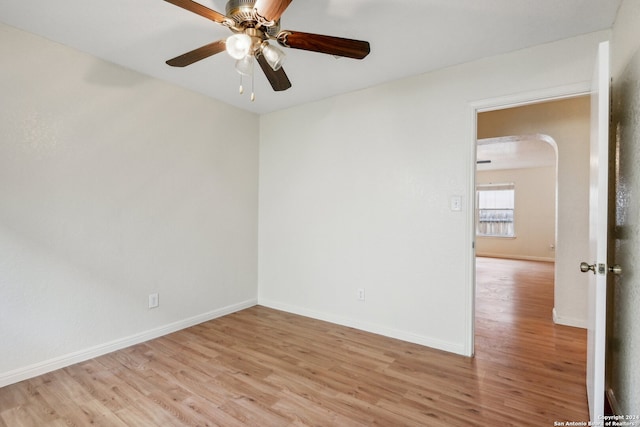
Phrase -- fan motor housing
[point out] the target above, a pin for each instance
(243, 13)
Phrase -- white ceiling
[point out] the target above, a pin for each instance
(407, 37)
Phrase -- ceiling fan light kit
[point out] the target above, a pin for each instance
(254, 23)
(274, 56)
(244, 66)
(238, 45)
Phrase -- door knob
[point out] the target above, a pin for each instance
(585, 267)
(615, 269)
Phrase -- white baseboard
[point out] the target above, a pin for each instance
(367, 327)
(568, 321)
(613, 401)
(21, 374)
(518, 257)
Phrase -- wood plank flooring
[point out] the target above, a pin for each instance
(262, 367)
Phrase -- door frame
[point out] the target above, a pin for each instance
(474, 108)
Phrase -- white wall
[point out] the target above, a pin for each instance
(623, 333)
(535, 214)
(113, 186)
(355, 192)
(625, 36)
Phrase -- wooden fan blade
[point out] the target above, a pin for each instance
(271, 10)
(197, 54)
(337, 46)
(278, 79)
(201, 10)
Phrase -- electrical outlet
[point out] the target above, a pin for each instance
(154, 300)
(360, 294)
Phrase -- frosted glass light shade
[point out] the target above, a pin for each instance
(274, 56)
(245, 65)
(238, 45)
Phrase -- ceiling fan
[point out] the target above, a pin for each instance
(254, 23)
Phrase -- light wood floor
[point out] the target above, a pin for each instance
(261, 367)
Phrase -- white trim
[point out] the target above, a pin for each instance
(568, 321)
(518, 257)
(20, 374)
(528, 98)
(470, 241)
(367, 327)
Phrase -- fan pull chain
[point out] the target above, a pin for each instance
(241, 89)
(253, 95)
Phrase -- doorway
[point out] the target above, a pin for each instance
(566, 120)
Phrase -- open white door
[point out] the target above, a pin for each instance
(598, 201)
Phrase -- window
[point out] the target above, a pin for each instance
(496, 204)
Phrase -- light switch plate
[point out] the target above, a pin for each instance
(154, 300)
(456, 203)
